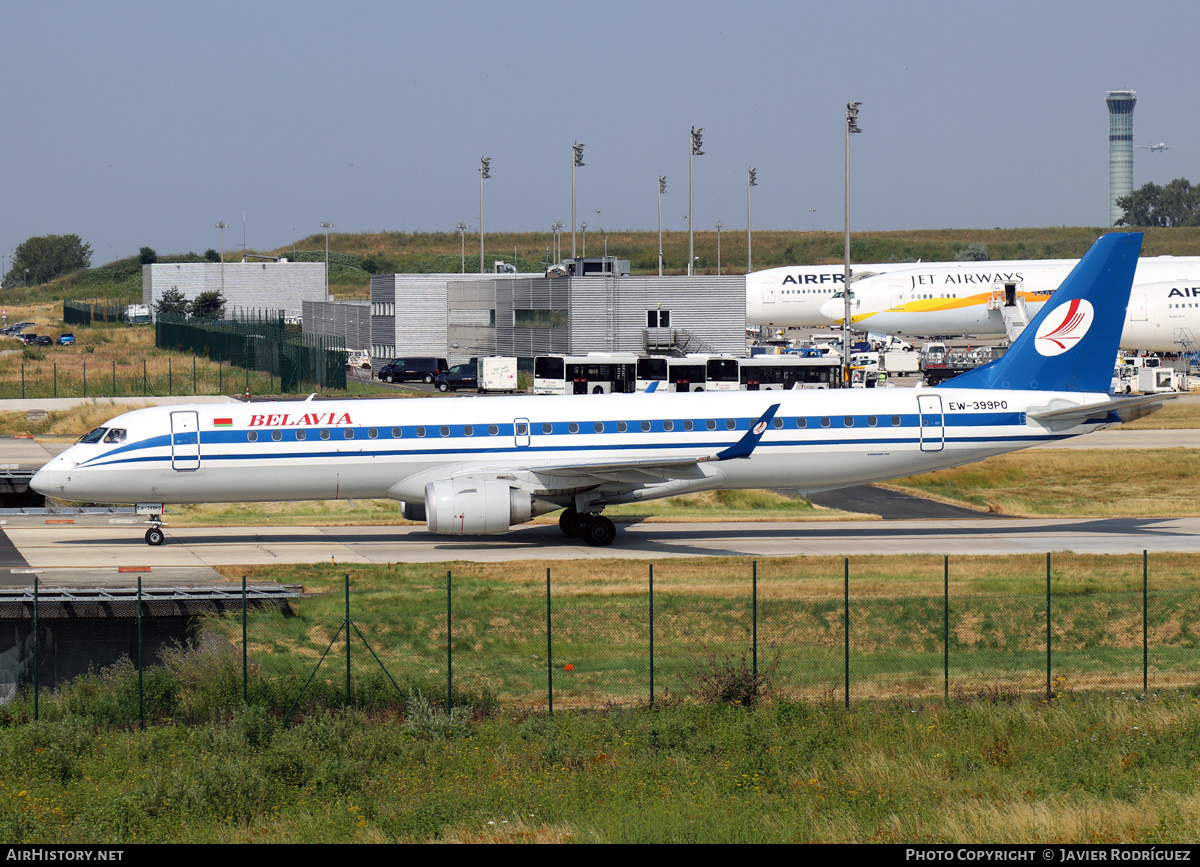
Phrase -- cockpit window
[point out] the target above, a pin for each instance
(95, 436)
(115, 435)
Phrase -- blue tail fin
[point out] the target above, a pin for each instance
(1072, 343)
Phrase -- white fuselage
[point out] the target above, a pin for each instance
(791, 296)
(970, 300)
(818, 440)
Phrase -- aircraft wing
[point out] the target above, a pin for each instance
(621, 470)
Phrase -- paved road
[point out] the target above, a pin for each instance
(107, 548)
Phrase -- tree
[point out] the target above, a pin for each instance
(974, 252)
(147, 255)
(1176, 204)
(212, 255)
(42, 258)
(171, 303)
(208, 305)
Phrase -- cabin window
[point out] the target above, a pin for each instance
(599, 426)
(824, 422)
(348, 433)
(252, 436)
(688, 425)
(324, 434)
(895, 421)
(420, 431)
(397, 433)
(373, 433)
(493, 430)
(300, 435)
(872, 421)
(444, 431)
(645, 427)
(801, 422)
(547, 428)
(711, 424)
(730, 423)
(276, 435)
(573, 428)
(668, 425)
(522, 429)
(622, 427)
(468, 430)
(777, 423)
(848, 421)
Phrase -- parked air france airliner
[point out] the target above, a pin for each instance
(483, 465)
(982, 299)
(792, 296)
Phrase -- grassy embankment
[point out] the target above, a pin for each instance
(992, 764)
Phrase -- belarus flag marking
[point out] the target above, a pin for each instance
(222, 422)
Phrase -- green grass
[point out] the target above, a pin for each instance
(1080, 768)
(1091, 761)
(1069, 483)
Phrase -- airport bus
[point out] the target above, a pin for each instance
(594, 373)
(774, 372)
(687, 373)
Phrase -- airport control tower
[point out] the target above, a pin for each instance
(1120, 149)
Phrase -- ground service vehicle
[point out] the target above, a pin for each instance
(417, 369)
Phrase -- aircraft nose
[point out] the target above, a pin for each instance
(48, 482)
(833, 310)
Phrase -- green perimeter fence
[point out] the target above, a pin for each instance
(259, 340)
(157, 376)
(372, 643)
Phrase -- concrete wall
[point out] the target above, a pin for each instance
(256, 285)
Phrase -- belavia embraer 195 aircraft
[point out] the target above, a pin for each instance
(482, 465)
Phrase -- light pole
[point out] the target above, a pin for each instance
(583, 226)
(813, 211)
(326, 225)
(556, 229)
(751, 181)
(222, 225)
(718, 247)
(576, 162)
(851, 127)
(662, 188)
(694, 152)
(485, 164)
(462, 236)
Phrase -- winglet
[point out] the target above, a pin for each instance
(746, 445)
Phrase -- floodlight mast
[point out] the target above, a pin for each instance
(485, 165)
(851, 127)
(695, 151)
(576, 162)
(662, 188)
(751, 181)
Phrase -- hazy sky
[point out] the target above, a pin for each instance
(144, 123)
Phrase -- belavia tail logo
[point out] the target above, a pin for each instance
(1064, 327)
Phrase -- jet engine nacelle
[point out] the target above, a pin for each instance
(465, 507)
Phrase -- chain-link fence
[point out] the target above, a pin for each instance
(374, 641)
(259, 340)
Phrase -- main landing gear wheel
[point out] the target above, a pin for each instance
(155, 536)
(570, 523)
(598, 531)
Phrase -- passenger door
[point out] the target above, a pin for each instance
(185, 441)
(932, 422)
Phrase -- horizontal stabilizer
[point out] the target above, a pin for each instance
(1125, 408)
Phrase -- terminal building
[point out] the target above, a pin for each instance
(522, 315)
(278, 285)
